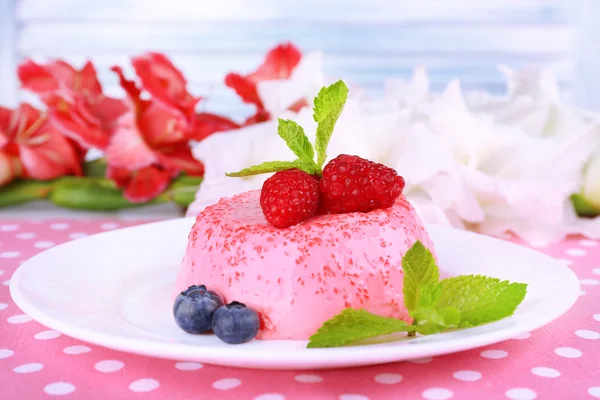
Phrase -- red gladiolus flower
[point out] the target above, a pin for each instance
(278, 64)
(75, 101)
(149, 146)
(165, 83)
(43, 152)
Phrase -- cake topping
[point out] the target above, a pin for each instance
(435, 306)
(289, 197)
(348, 184)
(235, 323)
(194, 308)
(351, 183)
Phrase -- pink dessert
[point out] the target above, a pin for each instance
(299, 277)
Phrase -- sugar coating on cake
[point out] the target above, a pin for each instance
(297, 278)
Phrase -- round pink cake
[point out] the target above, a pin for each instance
(297, 278)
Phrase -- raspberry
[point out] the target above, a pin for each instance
(289, 197)
(351, 183)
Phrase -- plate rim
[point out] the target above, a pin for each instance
(303, 358)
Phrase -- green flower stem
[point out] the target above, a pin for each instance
(90, 194)
(583, 207)
(100, 194)
(95, 168)
(182, 191)
(23, 191)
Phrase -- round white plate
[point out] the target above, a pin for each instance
(114, 289)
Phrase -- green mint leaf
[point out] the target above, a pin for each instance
(296, 140)
(421, 278)
(329, 104)
(275, 166)
(430, 320)
(480, 299)
(352, 325)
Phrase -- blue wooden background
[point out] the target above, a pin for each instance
(365, 41)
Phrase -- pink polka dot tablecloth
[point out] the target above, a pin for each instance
(559, 361)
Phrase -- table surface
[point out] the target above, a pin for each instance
(559, 361)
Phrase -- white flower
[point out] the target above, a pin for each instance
(493, 164)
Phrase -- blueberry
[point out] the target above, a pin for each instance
(194, 308)
(235, 323)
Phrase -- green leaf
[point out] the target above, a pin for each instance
(274, 166)
(421, 278)
(328, 106)
(480, 299)
(24, 191)
(351, 326)
(583, 207)
(296, 140)
(430, 320)
(182, 191)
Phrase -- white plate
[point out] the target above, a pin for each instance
(114, 289)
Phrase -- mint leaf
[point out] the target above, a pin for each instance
(296, 139)
(481, 299)
(275, 166)
(328, 106)
(421, 278)
(431, 320)
(352, 325)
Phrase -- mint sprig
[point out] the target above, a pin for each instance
(435, 306)
(328, 106)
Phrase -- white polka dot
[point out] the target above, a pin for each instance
(582, 293)
(588, 243)
(77, 235)
(109, 225)
(144, 385)
(109, 365)
(565, 261)
(568, 352)
(9, 228)
(6, 282)
(545, 372)
(353, 397)
(188, 366)
(589, 281)
(44, 244)
(596, 271)
(25, 235)
(576, 252)
(523, 336)
(10, 254)
(594, 391)
(423, 360)
(437, 394)
(59, 226)
(467, 376)
(539, 243)
(5, 353)
(270, 396)
(226, 384)
(59, 388)
(521, 394)
(388, 379)
(1, 272)
(45, 335)
(18, 319)
(77, 349)
(597, 317)
(3, 306)
(585, 334)
(306, 378)
(494, 354)
(27, 368)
